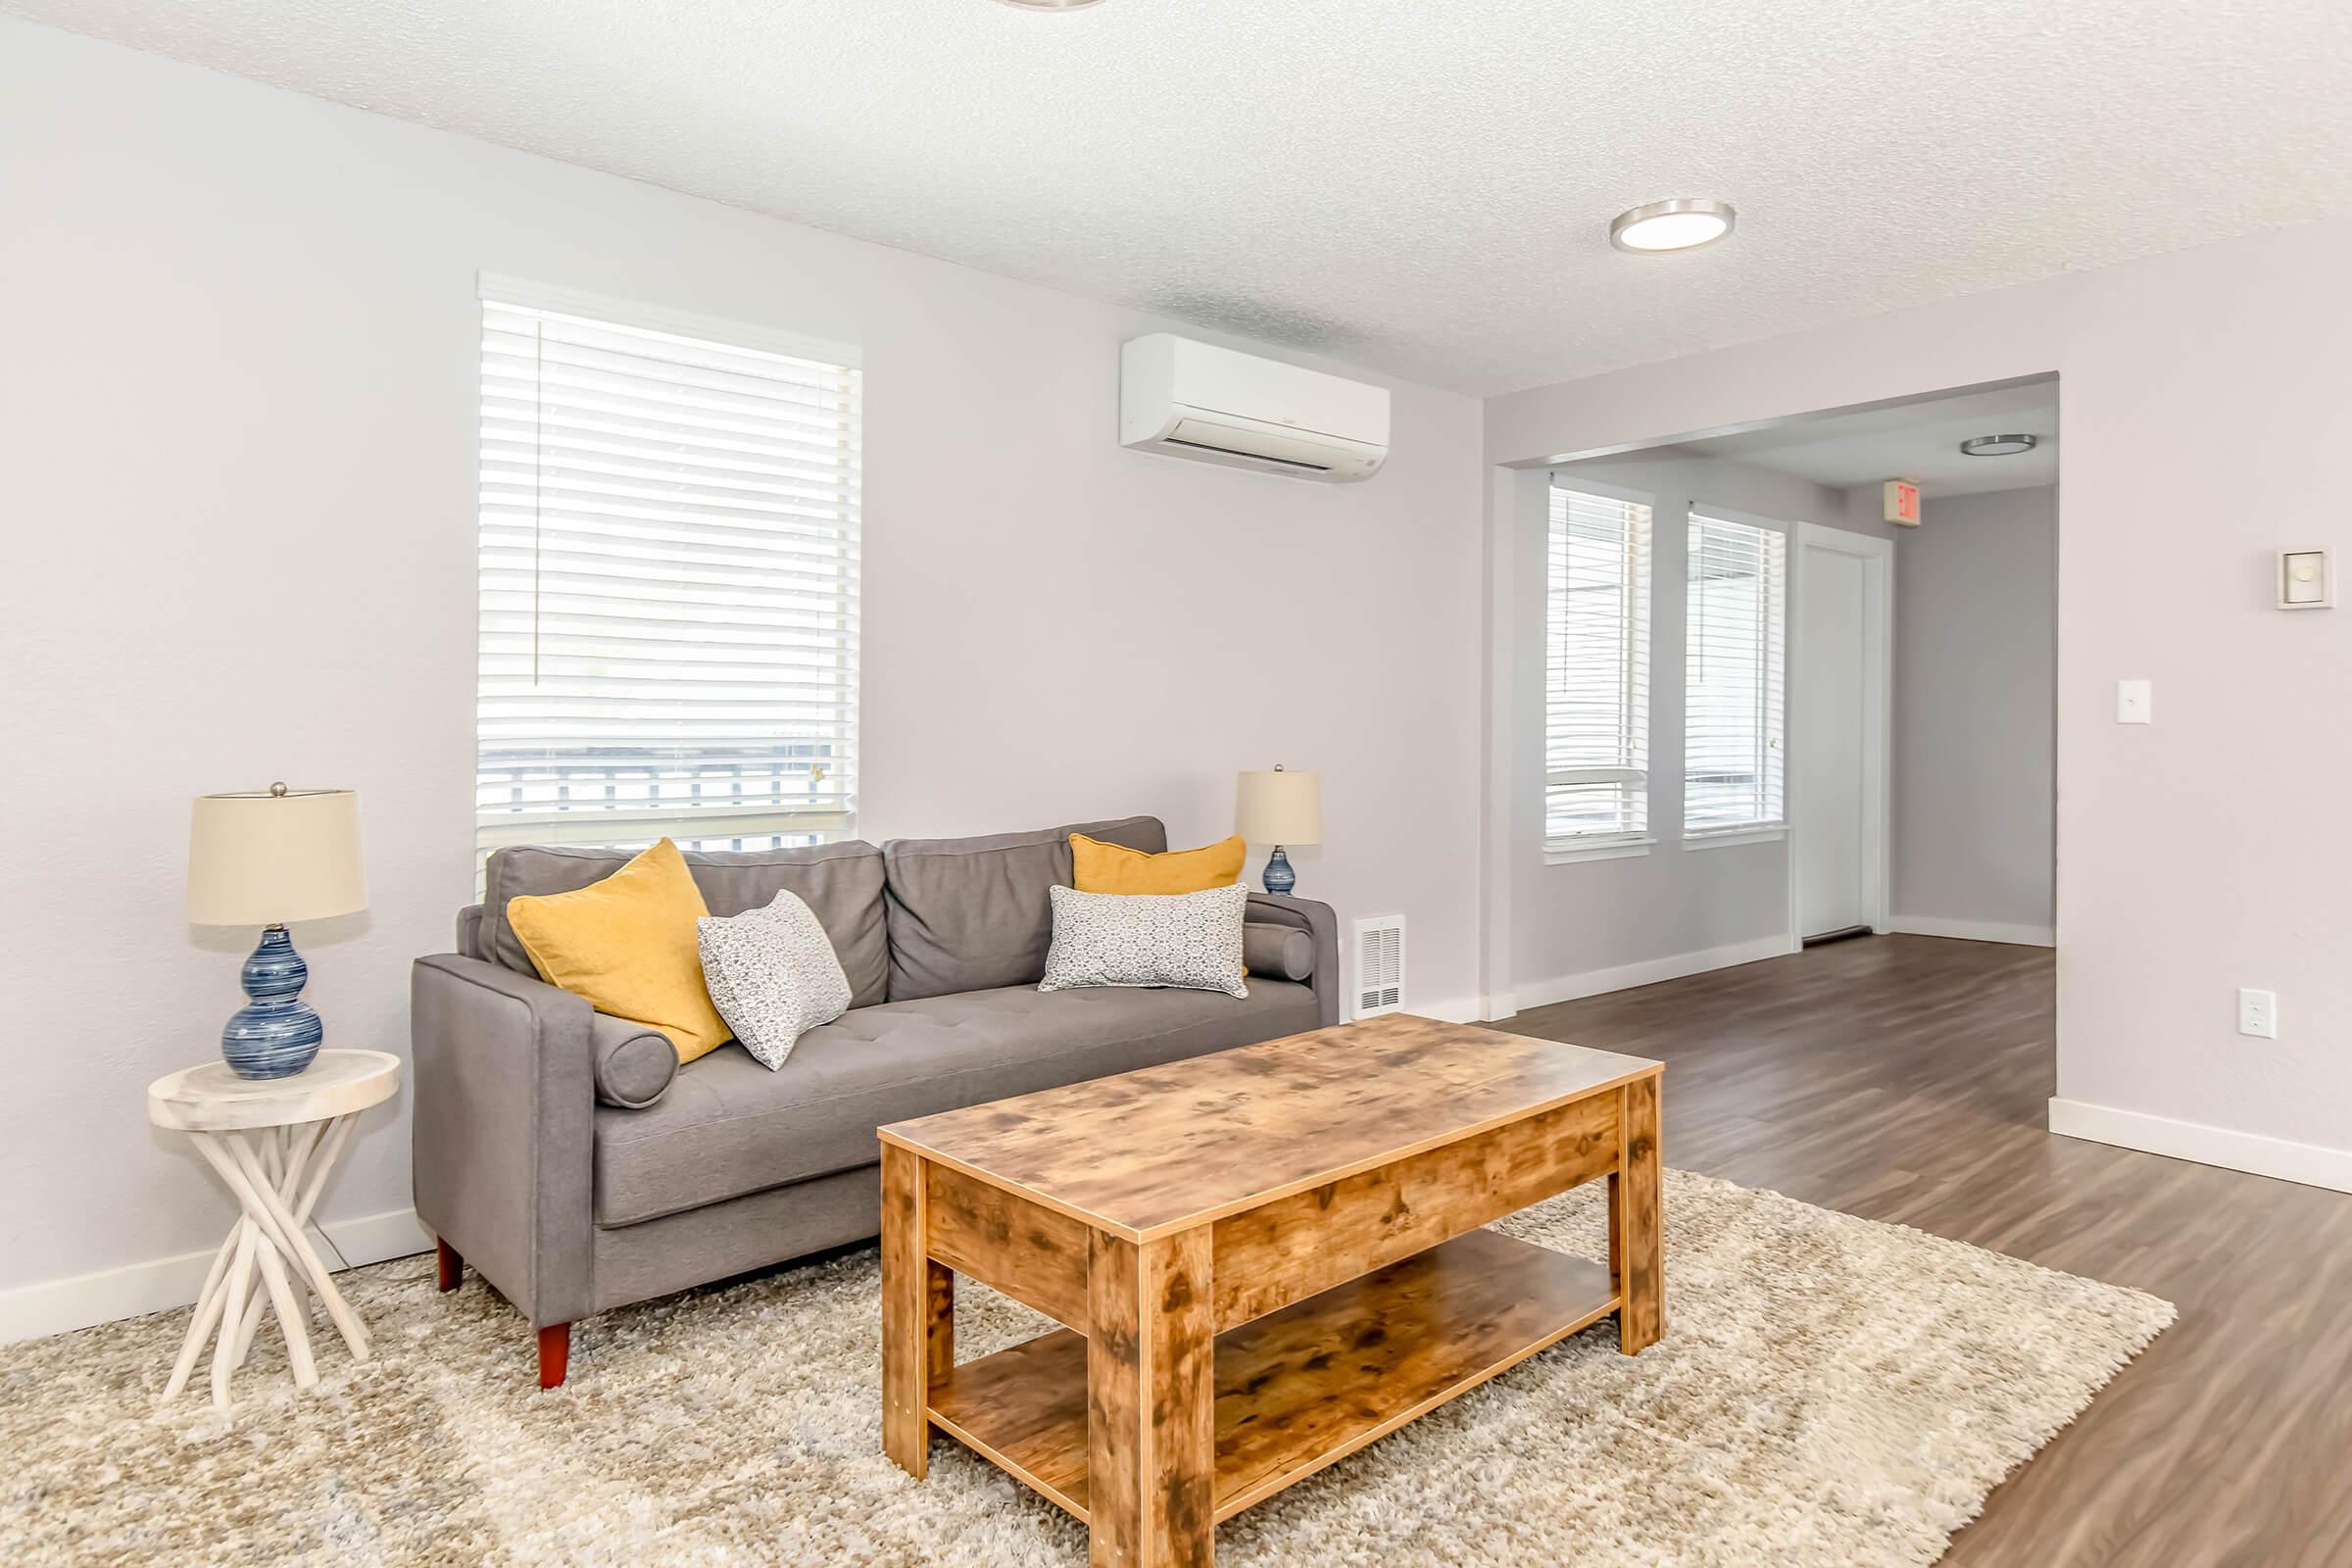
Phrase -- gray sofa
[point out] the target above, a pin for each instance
(578, 1167)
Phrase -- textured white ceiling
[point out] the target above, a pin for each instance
(1416, 186)
(1917, 441)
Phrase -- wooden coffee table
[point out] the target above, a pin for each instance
(1266, 1258)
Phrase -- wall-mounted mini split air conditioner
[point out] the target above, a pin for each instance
(1194, 400)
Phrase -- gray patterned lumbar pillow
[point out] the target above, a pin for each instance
(773, 974)
(1188, 939)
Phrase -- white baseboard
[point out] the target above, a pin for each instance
(1648, 972)
(135, 1290)
(2310, 1164)
(1932, 926)
(373, 1238)
(1458, 1009)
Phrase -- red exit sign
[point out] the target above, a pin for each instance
(1903, 503)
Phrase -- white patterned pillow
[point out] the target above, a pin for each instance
(773, 974)
(1188, 939)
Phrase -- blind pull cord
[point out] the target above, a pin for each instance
(538, 446)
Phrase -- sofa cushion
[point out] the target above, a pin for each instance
(729, 1126)
(1279, 952)
(470, 932)
(626, 944)
(773, 975)
(842, 882)
(635, 1063)
(1099, 868)
(971, 914)
(1190, 941)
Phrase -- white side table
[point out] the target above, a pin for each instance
(273, 1140)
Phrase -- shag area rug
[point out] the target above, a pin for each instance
(1832, 1391)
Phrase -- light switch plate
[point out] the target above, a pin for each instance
(2306, 580)
(2135, 702)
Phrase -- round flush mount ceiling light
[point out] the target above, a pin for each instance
(1683, 224)
(1998, 446)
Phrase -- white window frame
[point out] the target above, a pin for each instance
(1770, 696)
(1631, 773)
(830, 814)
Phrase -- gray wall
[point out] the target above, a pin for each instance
(1973, 760)
(1975, 711)
(256, 560)
(2168, 551)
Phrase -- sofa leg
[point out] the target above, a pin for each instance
(554, 1354)
(452, 1266)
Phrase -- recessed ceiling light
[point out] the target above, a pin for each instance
(1998, 446)
(1676, 226)
(1053, 5)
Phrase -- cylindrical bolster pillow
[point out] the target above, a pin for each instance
(1277, 951)
(634, 1065)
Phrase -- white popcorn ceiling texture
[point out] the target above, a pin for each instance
(1420, 187)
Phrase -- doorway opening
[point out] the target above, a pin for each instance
(1745, 706)
(1923, 666)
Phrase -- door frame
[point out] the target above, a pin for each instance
(1876, 556)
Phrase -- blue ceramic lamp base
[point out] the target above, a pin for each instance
(1280, 878)
(277, 1034)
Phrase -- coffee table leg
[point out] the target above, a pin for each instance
(918, 1315)
(1636, 1223)
(1150, 1403)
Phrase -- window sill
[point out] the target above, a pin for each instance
(1737, 834)
(1570, 853)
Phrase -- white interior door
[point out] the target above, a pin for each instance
(1836, 732)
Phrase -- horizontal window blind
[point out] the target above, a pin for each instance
(668, 588)
(1734, 676)
(1596, 670)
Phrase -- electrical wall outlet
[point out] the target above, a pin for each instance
(2258, 1013)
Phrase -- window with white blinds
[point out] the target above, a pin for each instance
(1596, 671)
(669, 579)
(1734, 678)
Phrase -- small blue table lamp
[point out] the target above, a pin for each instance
(1279, 805)
(269, 857)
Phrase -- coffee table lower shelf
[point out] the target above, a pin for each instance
(1304, 1386)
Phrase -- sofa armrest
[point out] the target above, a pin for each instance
(505, 1106)
(1319, 921)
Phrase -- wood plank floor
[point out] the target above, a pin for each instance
(1905, 1079)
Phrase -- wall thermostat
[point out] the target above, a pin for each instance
(2306, 580)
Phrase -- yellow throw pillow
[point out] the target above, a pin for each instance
(1099, 868)
(627, 944)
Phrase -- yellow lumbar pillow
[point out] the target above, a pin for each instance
(627, 944)
(1099, 868)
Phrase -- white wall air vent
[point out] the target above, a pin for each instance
(1194, 400)
(1379, 947)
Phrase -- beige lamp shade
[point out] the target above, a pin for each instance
(273, 857)
(1280, 806)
